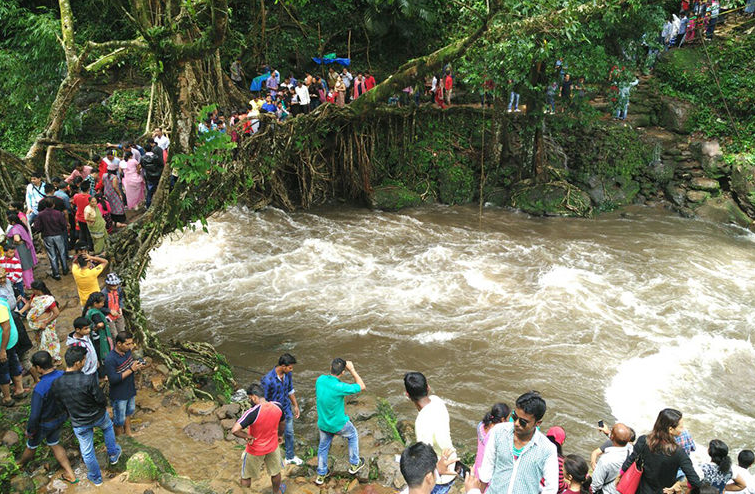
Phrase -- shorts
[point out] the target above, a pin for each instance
(10, 367)
(122, 409)
(50, 434)
(252, 464)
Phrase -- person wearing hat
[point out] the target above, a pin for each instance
(114, 301)
(557, 436)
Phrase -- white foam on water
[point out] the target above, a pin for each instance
(692, 375)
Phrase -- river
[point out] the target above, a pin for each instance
(611, 318)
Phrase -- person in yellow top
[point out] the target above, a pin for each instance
(85, 273)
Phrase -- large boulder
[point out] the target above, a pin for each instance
(723, 210)
(611, 192)
(661, 171)
(394, 197)
(743, 182)
(551, 199)
(705, 183)
(676, 194)
(456, 184)
(676, 115)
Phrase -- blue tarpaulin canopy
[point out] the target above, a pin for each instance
(256, 84)
(327, 61)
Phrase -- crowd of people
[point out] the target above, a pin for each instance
(513, 454)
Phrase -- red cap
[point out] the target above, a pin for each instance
(557, 433)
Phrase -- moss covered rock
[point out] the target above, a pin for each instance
(395, 197)
(553, 198)
(723, 210)
(456, 184)
(743, 182)
(141, 468)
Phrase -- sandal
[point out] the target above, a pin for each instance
(20, 396)
(69, 482)
(7, 403)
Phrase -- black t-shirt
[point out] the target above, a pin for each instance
(566, 88)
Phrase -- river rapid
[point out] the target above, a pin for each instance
(611, 318)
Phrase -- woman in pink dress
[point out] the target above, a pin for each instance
(133, 181)
(499, 413)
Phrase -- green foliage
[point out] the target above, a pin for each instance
(689, 74)
(212, 149)
(31, 67)
(387, 419)
(223, 377)
(128, 105)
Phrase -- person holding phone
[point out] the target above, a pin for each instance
(120, 367)
(420, 467)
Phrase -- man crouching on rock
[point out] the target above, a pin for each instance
(265, 424)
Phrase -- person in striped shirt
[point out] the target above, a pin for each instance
(13, 270)
(518, 455)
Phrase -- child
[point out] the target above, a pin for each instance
(80, 337)
(94, 310)
(575, 474)
(12, 265)
(114, 301)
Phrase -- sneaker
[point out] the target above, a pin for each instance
(96, 483)
(320, 479)
(293, 461)
(353, 469)
(114, 459)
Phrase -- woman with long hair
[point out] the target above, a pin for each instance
(662, 457)
(499, 413)
(42, 313)
(575, 473)
(19, 236)
(718, 472)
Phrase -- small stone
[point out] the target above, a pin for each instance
(711, 148)
(22, 483)
(158, 383)
(227, 423)
(148, 491)
(162, 369)
(301, 480)
(10, 439)
(201, 408)
(353, 486)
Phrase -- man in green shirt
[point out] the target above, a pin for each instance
(331, 416)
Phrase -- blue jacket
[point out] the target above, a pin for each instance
(45, 410)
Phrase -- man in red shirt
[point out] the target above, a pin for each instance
(369, 81)
(448, 83)
(265, 424)
(81, 201)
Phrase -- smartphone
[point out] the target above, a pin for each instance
(461, 470)
(601, 424)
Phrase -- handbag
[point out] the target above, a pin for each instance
(630, 481)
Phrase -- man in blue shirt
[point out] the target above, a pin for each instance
(46, 416)
(279, 386)
(120, 367)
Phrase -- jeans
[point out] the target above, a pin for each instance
(123, 409)
(349, 432)
(85, 435)
(551, 102)
(288, 437)
(514, 97)
(151, 188)
(56, 251)
(622, 112)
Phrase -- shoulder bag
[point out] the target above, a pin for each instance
(630, 481)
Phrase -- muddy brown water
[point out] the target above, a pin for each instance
(612, 318)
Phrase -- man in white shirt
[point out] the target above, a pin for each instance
(346, 77)
(302, 93)
(35, 192)
(608, 466)
(745, 459)
(420, 466)
(161, 139)
(518, 455)
(432, 425)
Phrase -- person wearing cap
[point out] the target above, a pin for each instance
(557, 436)
(607, 468)
(114, 301)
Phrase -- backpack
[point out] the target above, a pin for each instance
(153, 167)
